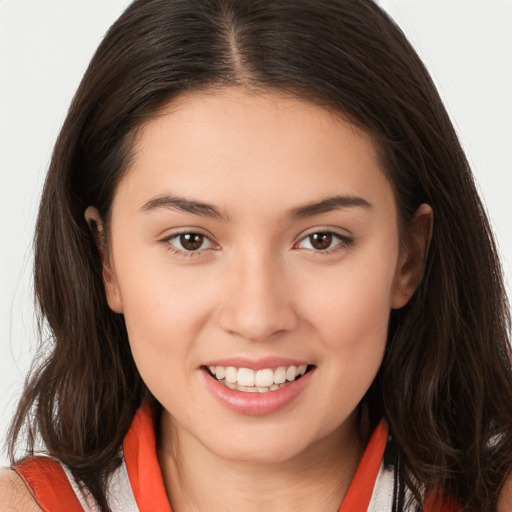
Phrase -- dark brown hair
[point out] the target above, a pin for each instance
(445, 385)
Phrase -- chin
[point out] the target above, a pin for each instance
(250, 447)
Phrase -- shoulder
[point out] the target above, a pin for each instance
(14, 494)
(505, 501)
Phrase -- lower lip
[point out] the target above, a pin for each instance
(256, 404)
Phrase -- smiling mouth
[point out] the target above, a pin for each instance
(257, 381)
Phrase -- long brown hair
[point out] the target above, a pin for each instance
(445, 385)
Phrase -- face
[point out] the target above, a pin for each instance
(254, 253)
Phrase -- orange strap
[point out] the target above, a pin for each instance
(49, 485)
(360, 491)
(139, 447)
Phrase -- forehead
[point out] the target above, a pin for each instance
(234, 143)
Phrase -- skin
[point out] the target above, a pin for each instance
(14, 495)
(257, 288)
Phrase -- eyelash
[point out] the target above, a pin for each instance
(184, 252)
(343, 242)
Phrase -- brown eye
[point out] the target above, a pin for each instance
(191, 241)
(321, 241)
(325, 242)
(188, 243)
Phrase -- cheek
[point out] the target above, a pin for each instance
(163, 308)
(353, 340)
(354, 332)
(353, 301)
(351, 316)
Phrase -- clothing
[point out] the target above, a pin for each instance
(137, 485)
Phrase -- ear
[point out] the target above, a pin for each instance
(413, 255)
(93, 218)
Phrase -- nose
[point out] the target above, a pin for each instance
(258, 299)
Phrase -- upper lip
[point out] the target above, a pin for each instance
(257, 364)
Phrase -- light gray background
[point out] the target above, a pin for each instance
(45, 47)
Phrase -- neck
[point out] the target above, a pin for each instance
(316, 480)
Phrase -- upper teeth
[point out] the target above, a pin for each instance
(263, 378)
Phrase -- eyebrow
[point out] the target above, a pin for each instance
(329, 204)
(171, 202)
(326, 205)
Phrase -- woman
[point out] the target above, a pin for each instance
(275, 285)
